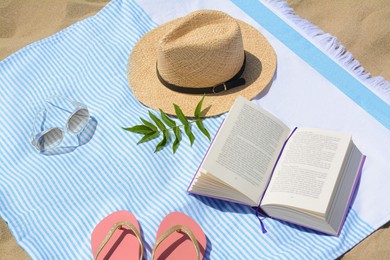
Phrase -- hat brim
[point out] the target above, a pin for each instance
(147, 88)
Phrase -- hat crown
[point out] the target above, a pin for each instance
(204, 49)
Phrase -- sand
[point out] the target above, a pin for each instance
(26, 21)
(362, 26)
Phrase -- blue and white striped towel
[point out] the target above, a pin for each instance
(52, 203)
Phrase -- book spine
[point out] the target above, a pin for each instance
(276, 162)
(259, 211)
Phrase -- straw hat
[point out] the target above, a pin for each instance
(204, 53)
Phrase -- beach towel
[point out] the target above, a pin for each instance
(52, 203)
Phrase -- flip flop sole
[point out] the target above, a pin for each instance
(178, 245)
(123, 244)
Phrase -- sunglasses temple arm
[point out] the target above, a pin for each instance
(76, 103)
(33, 126)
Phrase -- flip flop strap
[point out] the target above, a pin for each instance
(172, 230)
(111, 232)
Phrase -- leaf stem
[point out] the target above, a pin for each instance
(189, 122)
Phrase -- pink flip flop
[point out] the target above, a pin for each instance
(179, 237)
(117, 237)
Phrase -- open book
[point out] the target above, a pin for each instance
(305, 176)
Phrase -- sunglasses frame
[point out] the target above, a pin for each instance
(36, 138)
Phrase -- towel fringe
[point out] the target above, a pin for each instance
(332, 47)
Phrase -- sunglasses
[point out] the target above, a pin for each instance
(52, 137)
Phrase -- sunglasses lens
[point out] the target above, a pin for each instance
(78, 121)
(50, 139)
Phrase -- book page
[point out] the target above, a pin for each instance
(245, 149)
(308, 170)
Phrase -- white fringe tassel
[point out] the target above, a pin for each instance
(332, 47)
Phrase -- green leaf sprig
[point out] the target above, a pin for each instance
(165, 125)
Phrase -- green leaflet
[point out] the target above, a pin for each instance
(176, 143)
(139, 129)
(157, 121)
(148, 137)
(167, 120)
(180, 114)
(166, 134)
(148, 124)
(187, 130)
(163, 142)
(198, 108)
(201, 127)
(184, 120)
(199, 122)
(152, 129)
